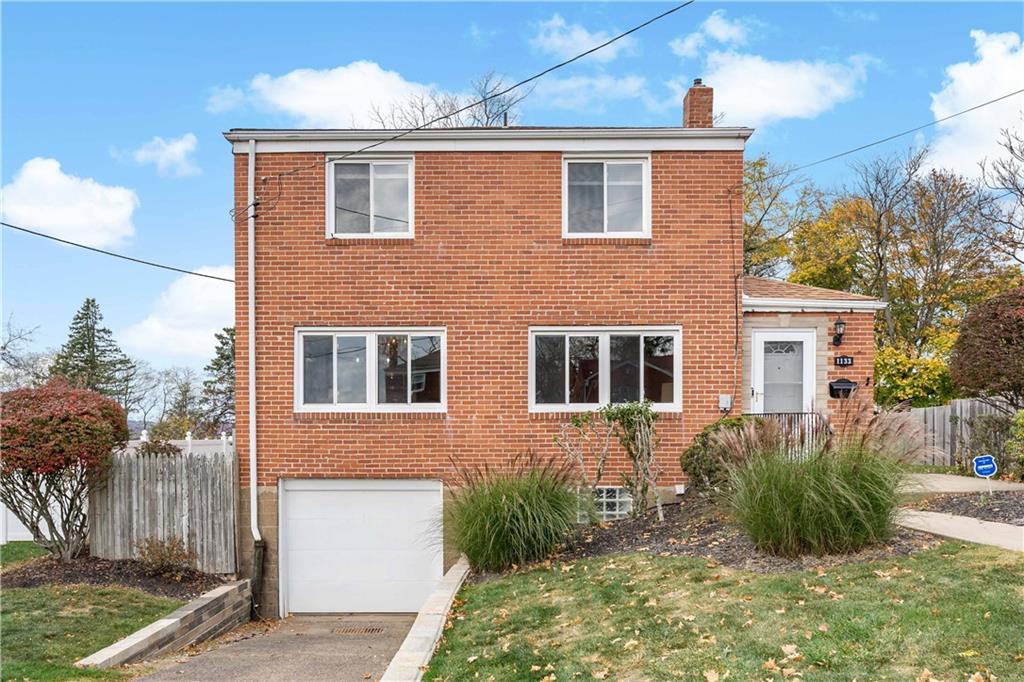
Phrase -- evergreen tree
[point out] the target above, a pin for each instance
(90, 358)
(219, 385)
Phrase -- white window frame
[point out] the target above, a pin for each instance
(644, 159)
(410, 161)
(371, 405)
(604, 365)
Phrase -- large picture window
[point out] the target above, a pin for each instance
(606, 197)
(370, 198)
(586, 367)
(373, 370)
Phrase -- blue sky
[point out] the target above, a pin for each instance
(113, 113)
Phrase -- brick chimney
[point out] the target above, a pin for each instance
(698, 109)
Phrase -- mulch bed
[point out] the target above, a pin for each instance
(1002, 507)
(694, 528)
(87, 570)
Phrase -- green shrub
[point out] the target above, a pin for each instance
(514, 515)
(985, 434)
(835, 500)
(1015, 446)
(157, 447)
(704, 461)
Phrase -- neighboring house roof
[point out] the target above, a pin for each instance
(761, 294)
(513, 138)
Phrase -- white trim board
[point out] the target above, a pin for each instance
(597, 140)
(809, 305)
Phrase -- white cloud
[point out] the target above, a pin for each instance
(753, 91)
(481, 37)
(340, 97)
(42, 197)
(224, 98)
(184, 318)
(997, 69)
(852, 15)
(172, 156)
(561, 39)
(717, 28)
(590, 93)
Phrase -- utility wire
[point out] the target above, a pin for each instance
(895, 135)
(116, 255)
(438, 119)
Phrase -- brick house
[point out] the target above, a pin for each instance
(455, 294)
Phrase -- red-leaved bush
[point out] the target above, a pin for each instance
(988, 356)
(56, 442)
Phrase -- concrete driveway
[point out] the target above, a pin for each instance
(353, 647)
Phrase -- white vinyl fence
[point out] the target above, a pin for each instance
(190, 495)
(948, 427)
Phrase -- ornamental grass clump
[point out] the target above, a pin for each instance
(837, 498)
(513, 515)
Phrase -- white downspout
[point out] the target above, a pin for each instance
(251, 295)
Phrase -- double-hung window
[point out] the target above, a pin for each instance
(606, 197)
(581, 368)
(370, 370)
(370, 198)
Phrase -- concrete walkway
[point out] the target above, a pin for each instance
(353, 647)
(949, 483)
(964, 528)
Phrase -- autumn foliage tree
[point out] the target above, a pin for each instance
(57, 444)
(988, 357)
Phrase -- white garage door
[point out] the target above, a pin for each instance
(351, 546)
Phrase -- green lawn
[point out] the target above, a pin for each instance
(16, 552)
(46, 629)
(954, 610)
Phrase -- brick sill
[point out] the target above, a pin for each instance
(607, 241)
(359, 417)
(334, 242)
(566, 416)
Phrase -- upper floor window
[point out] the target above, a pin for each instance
(370, 198)
(581, 368)
(372, 370)
(606, 197)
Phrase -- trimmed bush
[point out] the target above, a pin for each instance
(834, 501)
(500, 518)
(704, 461)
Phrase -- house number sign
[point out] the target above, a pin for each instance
(844, 361)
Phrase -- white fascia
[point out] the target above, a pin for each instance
(809, 305)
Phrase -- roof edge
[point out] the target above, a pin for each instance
(338, 135)
(808, 305)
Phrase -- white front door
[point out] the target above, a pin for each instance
(359, 545)
(782, 371)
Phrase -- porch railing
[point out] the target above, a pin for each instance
(805, 432)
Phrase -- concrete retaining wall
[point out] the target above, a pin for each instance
(212, 614)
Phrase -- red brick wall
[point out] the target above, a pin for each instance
(488, 261)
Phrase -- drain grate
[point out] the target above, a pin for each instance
(359, 630)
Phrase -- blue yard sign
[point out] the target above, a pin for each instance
(985, 466)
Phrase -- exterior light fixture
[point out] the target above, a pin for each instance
(840, 328)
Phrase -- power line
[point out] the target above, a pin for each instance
(467, 107)
(116, 255)
(896, 135)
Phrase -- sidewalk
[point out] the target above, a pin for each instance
(948, 483)
(964, 528)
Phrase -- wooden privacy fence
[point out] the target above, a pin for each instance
(948, 427)
(190, 495)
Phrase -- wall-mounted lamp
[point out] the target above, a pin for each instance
(840, 328)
